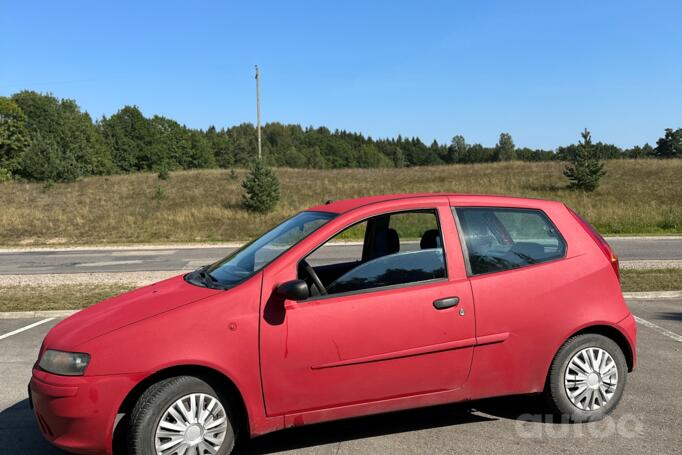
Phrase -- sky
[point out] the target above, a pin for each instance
(539, 70)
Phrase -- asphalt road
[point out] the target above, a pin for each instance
(646, 421)
(666, 249)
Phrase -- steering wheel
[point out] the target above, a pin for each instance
(316, 280)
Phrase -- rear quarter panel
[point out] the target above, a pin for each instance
(540, 306)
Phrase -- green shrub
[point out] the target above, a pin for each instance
(46, 161)
(262, 189)
(5, 175)
(159, 193)
(14, 137)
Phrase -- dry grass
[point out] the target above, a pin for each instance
(65, 297)
(651, 280)
(643, 196)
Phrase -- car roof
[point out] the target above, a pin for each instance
(346, 205)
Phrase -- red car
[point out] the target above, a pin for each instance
(448, 297)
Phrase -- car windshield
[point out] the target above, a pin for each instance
(252, 257)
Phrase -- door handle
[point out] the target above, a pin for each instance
(448, 302)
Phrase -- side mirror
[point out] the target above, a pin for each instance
(294, 290)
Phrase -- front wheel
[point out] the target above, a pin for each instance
(587, 378)
(183, 415)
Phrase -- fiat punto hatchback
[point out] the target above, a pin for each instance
(349, 308)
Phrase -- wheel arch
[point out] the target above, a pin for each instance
(212, 376)
(608, 331)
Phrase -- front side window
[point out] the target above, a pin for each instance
(386, 250)
(252, 257)
(498, 239)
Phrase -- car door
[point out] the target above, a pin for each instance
(372, 344)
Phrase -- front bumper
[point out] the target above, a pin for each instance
(77, 413)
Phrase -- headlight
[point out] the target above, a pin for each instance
(64, 363)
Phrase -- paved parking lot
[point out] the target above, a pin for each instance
(647, 420)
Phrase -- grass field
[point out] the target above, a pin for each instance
(76, 296)
(635, 197)
(64, 297)
(651, 280)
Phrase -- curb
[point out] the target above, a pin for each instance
(135, 279)
(643, 237)
(36, 314)
(651, 264)
(653, 295)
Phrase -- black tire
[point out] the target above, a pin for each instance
(154, 402)
(556, 393)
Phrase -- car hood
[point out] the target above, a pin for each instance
(123, 310)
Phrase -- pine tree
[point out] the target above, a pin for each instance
(164, 171)
(670, 145)
(584, 169)
(262, 189)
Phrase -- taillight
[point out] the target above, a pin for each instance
(601, 242)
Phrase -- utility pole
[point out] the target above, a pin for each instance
(258, 109)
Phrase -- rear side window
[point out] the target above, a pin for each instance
(498, 239)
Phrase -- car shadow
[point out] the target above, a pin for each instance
(19, 431)
(670, 315)
(524, 407)
(359, 428)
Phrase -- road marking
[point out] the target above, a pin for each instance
(72, 255)
(106, 263)
(143, 253)
(659, 329)
(23, 329)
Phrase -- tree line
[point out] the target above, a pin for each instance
(45, 138)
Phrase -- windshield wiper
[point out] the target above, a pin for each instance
(208, 279)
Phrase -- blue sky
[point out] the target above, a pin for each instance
(540, 70)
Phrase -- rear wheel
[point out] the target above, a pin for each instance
(587, 377)
(183, 415)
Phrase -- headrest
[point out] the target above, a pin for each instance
(392, 241)
(430, 239)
